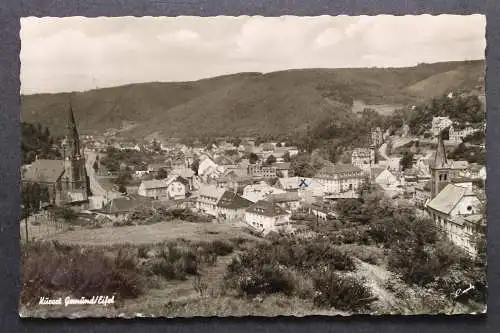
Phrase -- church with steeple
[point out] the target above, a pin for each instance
(66, 180)
(454, 205)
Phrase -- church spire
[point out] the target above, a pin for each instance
(440, 160)
(72, 138)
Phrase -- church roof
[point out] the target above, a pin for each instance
(48, 171)
(448, 198)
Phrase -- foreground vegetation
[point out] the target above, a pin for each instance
(377, 258)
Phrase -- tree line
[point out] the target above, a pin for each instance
(37, 141)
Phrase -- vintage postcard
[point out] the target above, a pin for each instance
(253, 166)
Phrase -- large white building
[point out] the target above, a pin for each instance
(265, 216)
(363, 158)
(340, 180)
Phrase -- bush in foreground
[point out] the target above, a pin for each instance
(50, 268)
(342, 292)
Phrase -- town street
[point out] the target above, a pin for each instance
(95, 186)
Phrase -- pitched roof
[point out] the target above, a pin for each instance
(211, 191)
(44, 171)
(338, 170)
(232, 200)
(156, 166)
(282, 165)
(283, 197)
(121, 205)
(459, 164)
(266, 208)
(154, 183)
(376, 171)
(173, 178)
(291, 183)
(448, 198)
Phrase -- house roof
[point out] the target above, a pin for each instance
(154, 183)
(232, 200)
(211, 191)
(448, 198)
(121, 205)
(459, 164)
(283, 197)
(338, 170)
(282, 165)
(156, 166)
(266, 208)
(173, 178)
(291, 183)
(44, 171)
(376, 171)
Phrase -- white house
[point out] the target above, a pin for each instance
(221, 203)
(155, 188)
(208, 198)
(174, 188)
(207, 168)
(177, 187)
(265, 216)
(384, 178)
(289, 201)
(231, 206)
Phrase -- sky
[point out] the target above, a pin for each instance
(78, 54)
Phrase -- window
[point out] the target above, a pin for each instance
(469, 208)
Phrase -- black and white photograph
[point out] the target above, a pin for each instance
(252, 166)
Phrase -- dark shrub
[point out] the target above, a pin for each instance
(269, 279)
(342, 292)
(48, 268)
(221, 248)
(174, 263)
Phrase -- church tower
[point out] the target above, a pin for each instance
(440, 169)
(75, 179)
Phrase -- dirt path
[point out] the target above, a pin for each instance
(376, 278)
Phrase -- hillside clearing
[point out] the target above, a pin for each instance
(152, 233)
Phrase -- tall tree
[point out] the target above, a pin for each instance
(270, 160)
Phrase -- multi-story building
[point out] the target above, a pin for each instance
(265, 216)
(340, 180)
(457, 135)
(260, 171)
(377, 137)
(363, 158)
